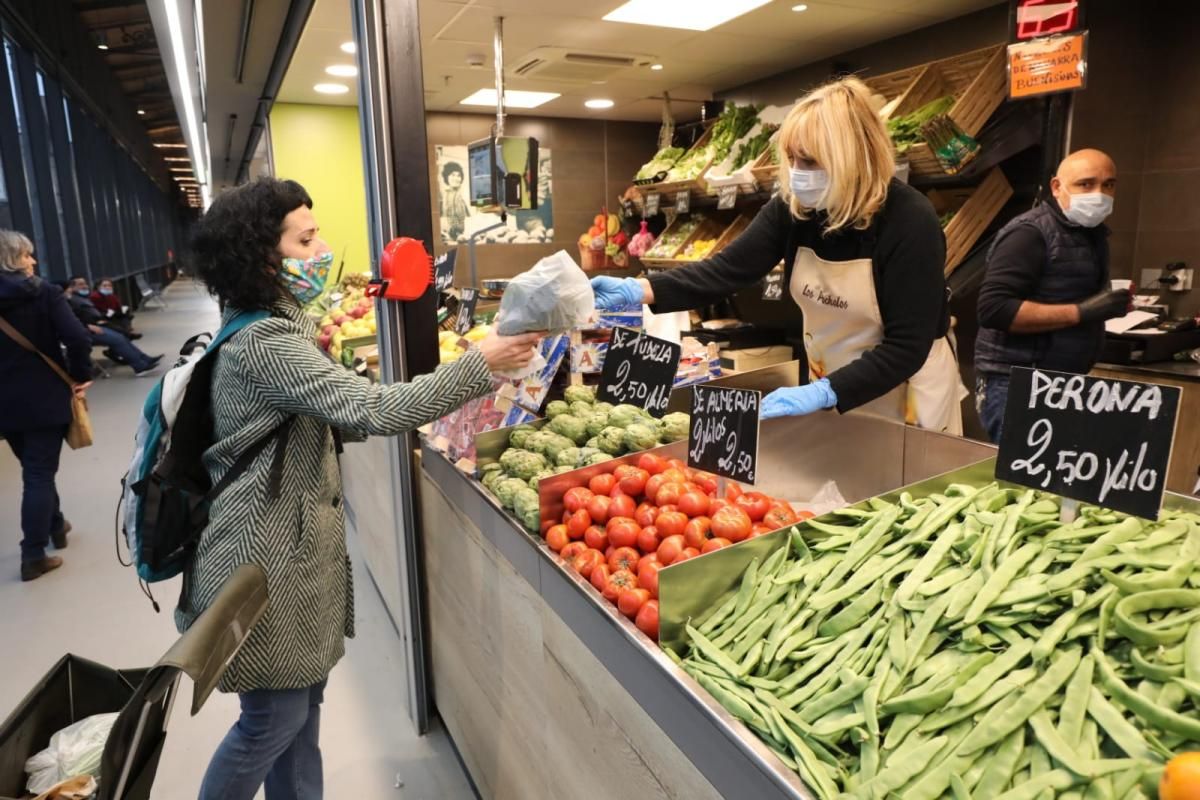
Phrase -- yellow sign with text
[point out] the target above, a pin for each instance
(1044, 66)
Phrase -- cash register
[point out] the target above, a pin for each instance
(1155, 336)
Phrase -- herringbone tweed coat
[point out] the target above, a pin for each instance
(265, 374)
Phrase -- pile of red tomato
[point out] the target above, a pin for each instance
(625, 526)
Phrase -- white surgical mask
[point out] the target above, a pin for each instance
(1090, 209)
(809, 186)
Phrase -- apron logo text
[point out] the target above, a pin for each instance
(824, 298)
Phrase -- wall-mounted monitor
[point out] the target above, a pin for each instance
(503, 173)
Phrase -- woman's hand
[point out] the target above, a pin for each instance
(506, 353)
(96, 329)
(797, 400)
(614, 293)
(80, 389)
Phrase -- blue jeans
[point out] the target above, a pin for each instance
(991, 396)
(38, 452)
(274, 744)
(124, 348)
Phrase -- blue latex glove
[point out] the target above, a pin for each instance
(614, 293)
(797, 400)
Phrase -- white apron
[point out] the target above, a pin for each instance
(842, 321)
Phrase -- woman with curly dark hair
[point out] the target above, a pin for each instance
(258, 249)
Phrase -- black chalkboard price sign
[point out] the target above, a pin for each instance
(1096, 440)
(443, 270)
(724, 435)
(639, 369)
(466, 309)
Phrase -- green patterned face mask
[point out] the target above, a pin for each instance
(305, 279)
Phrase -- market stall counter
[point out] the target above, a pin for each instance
(549, 692)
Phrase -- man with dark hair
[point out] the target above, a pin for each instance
(118, 347)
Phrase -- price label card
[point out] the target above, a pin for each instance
(653, 201)
(773, 285)
(727, 196)
(466, 310)
(683, 202)
(1096, 440)
(639, 369)
(724, 433)
(443, 270)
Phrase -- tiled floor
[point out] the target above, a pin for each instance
(92, 607)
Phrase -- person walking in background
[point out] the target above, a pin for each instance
(35, 403)
(1046, 293)
(257, 248)
(119, 348)
(106, 301)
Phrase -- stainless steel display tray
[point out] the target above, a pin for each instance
(865, 455)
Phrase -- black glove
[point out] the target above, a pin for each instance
(1106, 305)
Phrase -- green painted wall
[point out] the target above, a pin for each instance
(319, 146)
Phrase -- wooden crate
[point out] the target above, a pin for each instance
(974, 217)
(667, 259)
(765, 171)
(709, 229)
(976, 80)
(670, 188)
(733, 231)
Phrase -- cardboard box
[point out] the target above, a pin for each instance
(755, 357)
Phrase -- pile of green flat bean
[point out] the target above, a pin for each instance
(966, 645)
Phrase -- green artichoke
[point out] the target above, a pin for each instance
(597, 422)
(519, 436)
(674, 427)
(507, 489)
(625, 415)
(611, 440)
(581, 409)
(569, 457)
(570, 426)
(555, 408)
(580, 394)
(522, 464)
(639, 436)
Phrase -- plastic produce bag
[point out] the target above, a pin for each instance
(827, 499)
(554, 296)
(75, 750)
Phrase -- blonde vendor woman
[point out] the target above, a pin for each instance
(864, 257)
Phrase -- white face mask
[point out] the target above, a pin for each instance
(809, 186)
(1090, 209)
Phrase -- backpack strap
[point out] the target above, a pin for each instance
(281, 434)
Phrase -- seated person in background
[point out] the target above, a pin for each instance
(106, 301)
(118, 347)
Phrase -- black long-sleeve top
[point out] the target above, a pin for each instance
(1015, 267)
(908, 254)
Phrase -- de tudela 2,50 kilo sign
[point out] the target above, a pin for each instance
(1096, 440)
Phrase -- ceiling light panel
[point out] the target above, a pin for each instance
(512, 98)
(331, 88)
(342, 70)
(686, 14)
